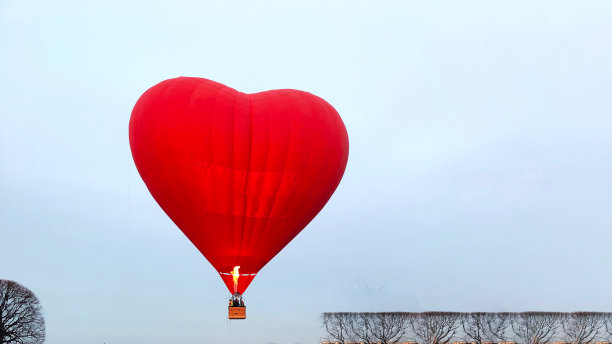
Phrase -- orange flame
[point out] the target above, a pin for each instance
(235, 276)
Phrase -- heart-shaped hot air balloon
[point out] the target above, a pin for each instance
(240, 174)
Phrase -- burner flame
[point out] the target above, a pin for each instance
(235, 275)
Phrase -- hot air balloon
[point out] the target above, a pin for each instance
(239, 174)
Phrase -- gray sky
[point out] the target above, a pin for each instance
(478, 177)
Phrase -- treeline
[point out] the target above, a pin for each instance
(476, 328)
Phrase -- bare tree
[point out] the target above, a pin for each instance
(435, 327)
(607, 320)
(475, 327)
(535, 327)
(21, 321)
(338, 327)
(582, 327)
(497, 325)
(362, 326)
(389, 327)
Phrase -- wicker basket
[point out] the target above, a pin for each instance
(236, 312)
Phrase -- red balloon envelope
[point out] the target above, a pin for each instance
(240, 174)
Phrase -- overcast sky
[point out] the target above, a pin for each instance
(479, 175)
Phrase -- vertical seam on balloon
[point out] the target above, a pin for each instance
(339, 125)
(284, 169)
(266, 230)
(210, 133)
(162, 132)
(246, 184)
(334, 173)
(292, 194)
(180, 184)
(231, 198)
(291, 198)
(202, 201)
(265, 169)
(340, 128)
(287, 156)
(266, 218)
(311, 143)
(157, 146)
(210, 127)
